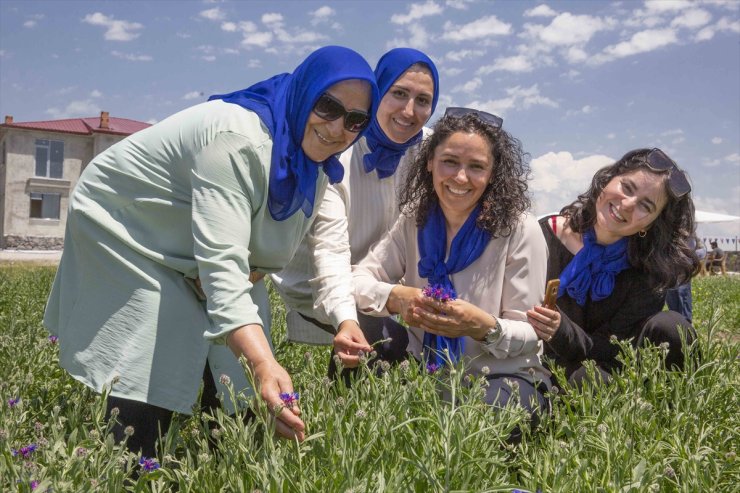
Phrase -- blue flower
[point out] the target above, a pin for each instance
(432, 367)
(53, 340)
(440, 292)
(148, 464)
(25, 452)
(289, 398)
(13, 401)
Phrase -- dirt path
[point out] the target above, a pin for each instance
(36, 257)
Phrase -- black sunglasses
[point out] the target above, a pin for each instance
(490, 118)
(678, 182)
(330, 108)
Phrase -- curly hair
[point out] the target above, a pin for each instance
(664, 252)
(505, 198)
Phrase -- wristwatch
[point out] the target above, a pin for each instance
(493, 334)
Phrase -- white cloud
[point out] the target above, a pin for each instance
(193, 95)
(481, 28)
(214, 14)
(724, 24)
(75, 109)
(558, 178)
(131, 57)
(452, 71)
(667, 5)
(322, 14)
(518, 63)
(460, 55)
(516, 97)
(567, 29)
(711, 163)
(229, 26)
(247, 26)
(116, 30)
(261, 39)
(692, 19)
(417, 11)
(584, 110)
(254, 63)
(272, 19)
(458, 4)
(611, 136)
(469, 86)
(96, 94)
(540, 11)
(733, 158)
(419, 38)
(33, 21)
(716, 140)
(669, 133)
(641, 42)
(29, 24)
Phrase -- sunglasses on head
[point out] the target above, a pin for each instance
(330, 108)
(678, 183)
(490, 118)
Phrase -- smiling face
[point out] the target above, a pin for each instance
(461, 167)
(407, 105)
(323, 138)
(628, 204)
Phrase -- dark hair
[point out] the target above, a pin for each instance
(504, 199)
(664, 252)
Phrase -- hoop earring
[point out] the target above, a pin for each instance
(642, 234)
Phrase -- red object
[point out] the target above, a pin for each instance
(84, 126)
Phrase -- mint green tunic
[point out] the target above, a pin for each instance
(182, 199)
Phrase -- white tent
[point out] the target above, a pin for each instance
(714, 217)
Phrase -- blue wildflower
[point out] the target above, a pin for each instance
(53, 340)
(289, 398)
(432, 367)
(25, 452)
(440, 292)
(148, 464)
(13, 401)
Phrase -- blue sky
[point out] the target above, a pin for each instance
(579, 83)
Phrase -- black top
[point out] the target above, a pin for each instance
(585, 330)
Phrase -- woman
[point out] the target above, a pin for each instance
(464, 228)
(317, 284)
(616, 249)
(211, 194)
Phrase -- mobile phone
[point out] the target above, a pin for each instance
(551, 293)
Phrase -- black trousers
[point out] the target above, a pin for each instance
(149, 422)
(662, 327)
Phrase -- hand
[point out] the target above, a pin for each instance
(456, 318)
(348, 342)
(272, 380)
(545, 322)
(402, 301)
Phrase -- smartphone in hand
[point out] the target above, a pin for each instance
(551, 293)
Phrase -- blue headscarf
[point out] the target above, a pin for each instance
(593, 269)
(284, 103)
(469, 243)
(385, 154)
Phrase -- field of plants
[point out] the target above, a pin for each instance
(651, 431)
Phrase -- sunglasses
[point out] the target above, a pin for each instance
(330, 108)
(490, 118)
(678, 182)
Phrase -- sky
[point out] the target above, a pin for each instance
(580, 83)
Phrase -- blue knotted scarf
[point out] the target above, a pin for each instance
(468, 244)
(593, 269)
(284, 103)
(385, 154)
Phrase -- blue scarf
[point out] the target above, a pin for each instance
(386, 154)
(284, 103)
(468, 244)
(593, 269)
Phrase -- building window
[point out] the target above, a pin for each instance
(49, 158)
(45, 205)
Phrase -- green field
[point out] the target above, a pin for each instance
(651, 430)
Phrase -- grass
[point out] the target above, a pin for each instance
(651, 430)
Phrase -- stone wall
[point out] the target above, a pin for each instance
(32, 242)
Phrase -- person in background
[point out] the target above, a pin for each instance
(465, 260)
(716, 256)
(317, 284)
(169, 230)
(679, 299)
(616, 249)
